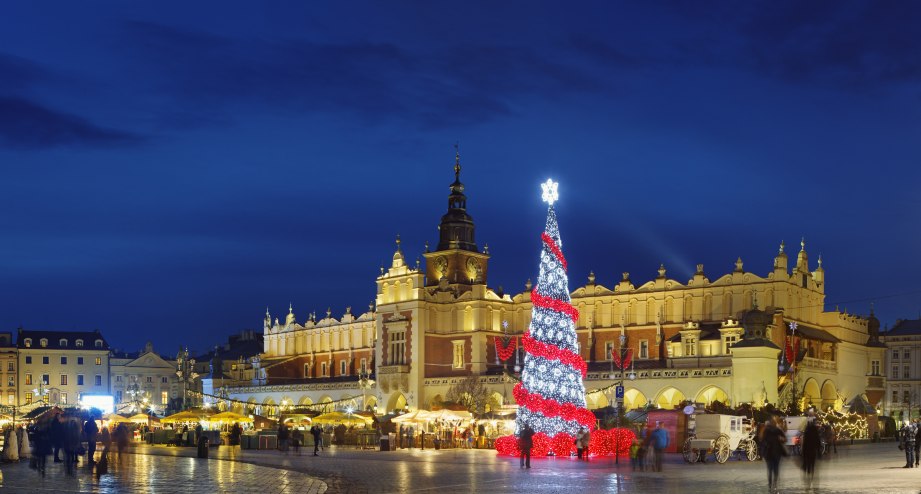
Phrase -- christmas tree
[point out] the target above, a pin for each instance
(551, 395)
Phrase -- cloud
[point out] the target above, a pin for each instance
(27, 125)
(440, 87)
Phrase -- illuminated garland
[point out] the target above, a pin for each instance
(199, 394)
(553, 304)
(602, 443)
(548, 407)
(554, 248)
(553, 352)
(505, 351)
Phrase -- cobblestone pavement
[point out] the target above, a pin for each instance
(860, 468)
(141, 473)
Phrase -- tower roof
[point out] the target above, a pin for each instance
(456, 230)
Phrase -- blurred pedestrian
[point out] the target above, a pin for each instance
(235, 432)
(907, 443)
(283, 437)
(659, 441)
(811, 447)
(634, 453)
(41, 446)
(121, 441)
(71, 446)
(106, 439)
(773, 442)
(297, 437)
(583, 437)
(56, 434)
(317, 434)
(525, 443)
(91, 431)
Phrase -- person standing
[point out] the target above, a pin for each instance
(57, 436)
(121, 441)
(235, 432)
(907, 442)
(106, 439)
(583, 437)
(297, 437)
(773, 444)
(659, 440)
(317, 434)
(71, 445)
(525, 443)
(283, 437)
(91, 431)
(917, 441)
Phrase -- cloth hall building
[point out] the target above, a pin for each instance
(435, 324)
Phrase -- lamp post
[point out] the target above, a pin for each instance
(618, 398)
(185, 371)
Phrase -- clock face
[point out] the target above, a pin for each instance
(441, 266)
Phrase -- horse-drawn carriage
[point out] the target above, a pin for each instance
(721, 435)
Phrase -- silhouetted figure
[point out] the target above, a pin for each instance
(774, 441)
(91, 431)
(525, 443)
(810, 449)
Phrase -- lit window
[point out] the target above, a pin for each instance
(98, 360)
(28, 398)
(458, 362)
(63, 398)
(79, 344)
(11, 399)
(28, 379)
(43, 342)
(690, 347)
(164, 397)
(27, 343)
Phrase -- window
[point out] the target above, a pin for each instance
(62, 342)
(306, 370)
(28, 398)
(118, 379)
(730, 340)
(45, 360)
(10, 366)
(323, 369)
(63, 399)
(164, 397)
(874, 367)
(98, 343)
(98, 380)
(79, 379)
(27, 343)
(609, 350)
(164, 380)
(28, 379)
(29, 359)
(895, 354)
(906, 354)
(895, 396)
(63, 379)
(63, 360)
(118, 397)
(79, 360)
(98, 360)
(906, 372)
(397, 347)
(895, 372)
(905, 397)
(79, 344)
(364, 366)
(149, 379)
(690, 347)
(46, 380)
(10, 381)
(644, 349)
(11, 399)
(43, 342)
(458, 362)
(342, 367)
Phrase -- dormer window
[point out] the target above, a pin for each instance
(98, 343)
(63, 342)
(27, 342)
(43, 342)
(79, 343)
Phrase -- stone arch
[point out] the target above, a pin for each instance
(251, 405)
(811, 393)
(669, 398)
(634, 398)
(237, 407)
(268, 408)
(494, 402)
(596, 400)
(305, 400)
(829, 395)
(370, 402)
(396, 402)
(711, 393)
(326, 400)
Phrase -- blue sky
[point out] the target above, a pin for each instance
(171, 169)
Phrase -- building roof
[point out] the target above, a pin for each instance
(814, 334)
(54, 338)
(905, 327)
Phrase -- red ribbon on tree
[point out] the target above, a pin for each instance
(554, 304)
(506, 349)
(553, 352)
(554, 248)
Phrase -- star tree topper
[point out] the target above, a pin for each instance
(550, 194)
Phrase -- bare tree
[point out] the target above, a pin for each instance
(469, 393)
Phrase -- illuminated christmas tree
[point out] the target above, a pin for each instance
(551, 395)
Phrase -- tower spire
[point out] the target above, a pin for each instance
(457, 166)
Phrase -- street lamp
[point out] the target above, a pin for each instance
(186, 373)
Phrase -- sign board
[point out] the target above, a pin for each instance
(619, 393)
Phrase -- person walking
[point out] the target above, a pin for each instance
(91, 431)
(121, 441)
(659, 440)
(634, 453)
(297, 437)
(235, 432)
(106, 439)
(71, 445)
(525, 443)
(811, 446)
(42, 446)
(56, 434)
(773, 443)
(907, 442)
(317, 434)
(283, 437)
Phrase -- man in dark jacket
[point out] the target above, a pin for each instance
(907, 439)
(317, 434)
(525, 443)
(90, 430)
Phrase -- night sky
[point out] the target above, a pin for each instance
(171, 169)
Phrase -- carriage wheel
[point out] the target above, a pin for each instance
(689, 454)
(721, 448)
(751, 449)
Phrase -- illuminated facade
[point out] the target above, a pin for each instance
(436, 323)
(58, 367)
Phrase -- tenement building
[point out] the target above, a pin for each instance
(903, 362)
(59, 367)
(732, 337)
